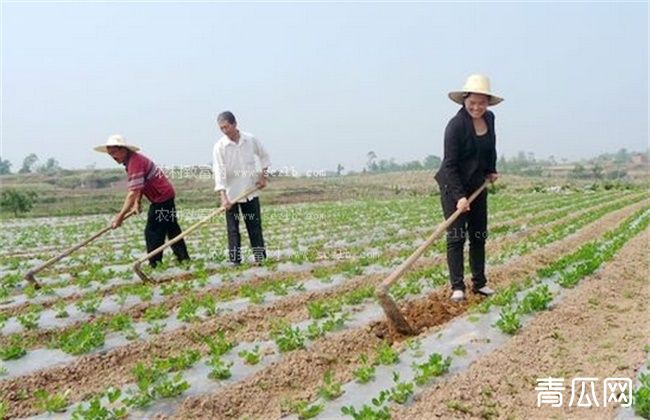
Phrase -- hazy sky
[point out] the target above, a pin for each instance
(318, 83)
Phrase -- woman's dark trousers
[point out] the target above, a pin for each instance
(472, 224)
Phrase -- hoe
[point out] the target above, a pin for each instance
(136, 265)
(30, 274)
(394, 315)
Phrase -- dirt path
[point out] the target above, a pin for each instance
(599, 330)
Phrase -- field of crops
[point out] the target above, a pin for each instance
(302, 336)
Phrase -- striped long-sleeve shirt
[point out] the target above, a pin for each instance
(144, 175)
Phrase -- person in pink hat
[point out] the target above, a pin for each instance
(469, 159)
(146, 178)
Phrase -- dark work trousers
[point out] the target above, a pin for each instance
(472, 224)
(162, 223)
(250, 212)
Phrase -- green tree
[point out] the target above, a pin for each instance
(16, 201)
(578, 171)
(597, 171)
(51, 167)
(432, 162)
(372, 157)
(5, 167)
(28, 162)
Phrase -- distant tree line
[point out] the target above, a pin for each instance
(51, 166)
(605, 166)
(374, 164)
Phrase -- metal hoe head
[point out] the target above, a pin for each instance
(394, 315)
(141, 274)
(30, 278)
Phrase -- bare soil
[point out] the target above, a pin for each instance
(91, 374)
(270, 401)
(598, 330)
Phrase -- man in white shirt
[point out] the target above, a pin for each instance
(234, 168)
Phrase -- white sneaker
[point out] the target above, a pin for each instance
(457, 295)
(485, 291)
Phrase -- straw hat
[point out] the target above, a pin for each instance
(476, 83)
(116, 140)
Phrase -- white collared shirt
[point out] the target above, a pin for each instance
(234, 166)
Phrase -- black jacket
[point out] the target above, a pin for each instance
(459, 173)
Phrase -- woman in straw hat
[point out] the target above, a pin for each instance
(470, 158)
(145, 178)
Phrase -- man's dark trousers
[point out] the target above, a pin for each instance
(250, 212)
(162, 222)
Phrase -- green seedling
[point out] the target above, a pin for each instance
(316, 329)
(366, 372)
(330, 390)
(415, 346)
(251, 357)
(218, 344)
(90, 304)
(120, 322)
(169, 289)
(113, 394)
(536, 300)
(504, 297)
(95, 411)
(287, 338)
(155, 313)
(321, 308)
(254, 294)
(82, 340)
(29, 321)
(14, 350)
(400, 393)
(412, 286)
(155, 328)
(61, 310)
(220, 369)
(386, 355)
(140, 398)
(181, 362)
(122, 296)
(366, 413)
(187, 309)
(358, 296)
(209, 303)
(460, 351)
(433, 367)
(641, 396)
(509, 321)
(306, 411)
(281, 288)
(55, 403)
(171, 387)
(30, 291)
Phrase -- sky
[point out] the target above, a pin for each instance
(318, 83)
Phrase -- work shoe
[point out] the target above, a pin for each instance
(458, 295)
(485, 291)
